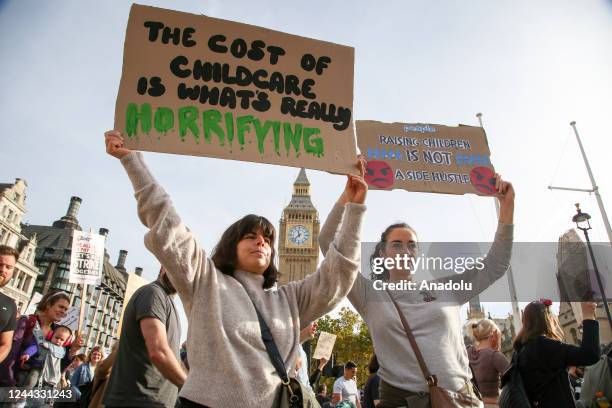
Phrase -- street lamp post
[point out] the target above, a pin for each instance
(582, 223)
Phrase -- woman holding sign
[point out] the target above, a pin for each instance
(50, 310)
(432, 317)
(229, 365)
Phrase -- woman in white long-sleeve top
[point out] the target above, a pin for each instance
(229, 365)
(433, 317)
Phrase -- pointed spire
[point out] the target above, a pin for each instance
(301, 192)
(302, 179)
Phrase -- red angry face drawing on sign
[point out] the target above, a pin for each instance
(379, 174)
(483, 180)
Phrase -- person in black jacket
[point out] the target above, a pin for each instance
(544, 357)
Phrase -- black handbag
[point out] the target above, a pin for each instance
(513, 393)
(293, 394)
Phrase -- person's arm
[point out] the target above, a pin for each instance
(505, 196)
(30, 348)
(168, 238)
(357, 294)
(316, 374)
(74, 348)
(497, 260)
(64, 383)
(336, 392)
(6, 341)
(332, 223)
(558, 355)
(500, 362)
(321, 291)
(589, 351)
(162, 357)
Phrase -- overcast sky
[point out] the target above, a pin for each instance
(529, 67)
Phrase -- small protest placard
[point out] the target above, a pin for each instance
(203, 86)
(33, 303)
(87, 258)
(426, 157)
(71, 319)
(325, 346)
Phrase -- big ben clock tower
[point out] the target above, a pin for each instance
(298, 247)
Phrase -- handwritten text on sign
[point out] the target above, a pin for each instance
(209, 87)
(426, 157)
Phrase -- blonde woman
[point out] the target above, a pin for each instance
(486, 360)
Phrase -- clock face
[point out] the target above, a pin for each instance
(298, 234)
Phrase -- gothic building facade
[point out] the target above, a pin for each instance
(12, 210)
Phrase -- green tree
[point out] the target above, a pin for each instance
(353, 342)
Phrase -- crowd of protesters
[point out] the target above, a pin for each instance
(243, 327)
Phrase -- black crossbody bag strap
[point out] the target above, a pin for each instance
(271, 348)
(270, 344)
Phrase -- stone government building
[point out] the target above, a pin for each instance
(44, 265)
(12, 210)
(103, 302)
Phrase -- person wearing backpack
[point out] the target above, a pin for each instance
(543, 357)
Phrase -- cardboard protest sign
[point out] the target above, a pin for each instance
(87, 258)
(202, 86)
(33, 303)
(71, 319)
(325, 346)
(426, 157)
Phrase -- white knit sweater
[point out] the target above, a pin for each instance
(436, 325)
(229, 365)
